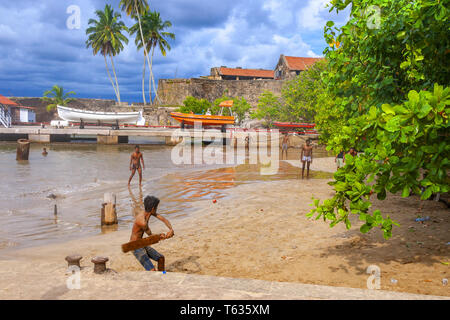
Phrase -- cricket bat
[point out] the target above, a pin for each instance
(141, 243)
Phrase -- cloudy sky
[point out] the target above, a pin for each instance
(38, 50)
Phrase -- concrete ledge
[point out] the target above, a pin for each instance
(182, 286)
(41, 138)
(101, 139)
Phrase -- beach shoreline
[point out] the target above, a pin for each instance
(249, 234)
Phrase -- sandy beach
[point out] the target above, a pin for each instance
(257, 231)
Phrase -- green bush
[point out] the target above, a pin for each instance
(269, 108)
(406, 151)
(197, 106)
(240, 107)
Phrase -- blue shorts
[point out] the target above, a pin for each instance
(145, 254)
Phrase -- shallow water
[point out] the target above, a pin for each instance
(79, 174)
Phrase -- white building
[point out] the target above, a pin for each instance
(27, 114)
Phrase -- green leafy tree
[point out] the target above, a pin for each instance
(105, 36)
(301, 94)
(382, 97)
(268, 109)
(376, 59)
(197, 106)
(239, 109)
(56, 96)
(153, 29)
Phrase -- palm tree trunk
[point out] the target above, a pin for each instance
(153, 78)
(142, 35)
(151, 74)
(115, 76)
(143, 82)
(110, 78)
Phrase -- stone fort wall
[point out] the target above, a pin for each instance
(175, 91)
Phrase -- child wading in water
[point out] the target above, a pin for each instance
(135, 164)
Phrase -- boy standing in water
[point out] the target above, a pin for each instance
(284, 145)
(135, 164)
(306, 157)
(143, 255)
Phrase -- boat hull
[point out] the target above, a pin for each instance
(206, 120)
(77, 115)
(294, 125)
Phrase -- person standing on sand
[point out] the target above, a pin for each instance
(135, 164)
(340, 159)
(284, 145)
(306, 157)
(44, 152)
(146, 254)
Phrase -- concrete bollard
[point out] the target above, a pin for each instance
(74, 260)
(23, 149)
(99, 264)
(109, 214)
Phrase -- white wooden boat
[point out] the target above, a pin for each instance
(78, 115)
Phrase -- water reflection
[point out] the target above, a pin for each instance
(137, 204)
(79, 175)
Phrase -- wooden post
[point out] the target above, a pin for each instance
(224, 130)
(23, 149)
(109, 214)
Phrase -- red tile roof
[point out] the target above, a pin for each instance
(253, 73)
(6, 101)
(300, 63)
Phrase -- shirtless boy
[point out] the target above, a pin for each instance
(306, 157)
(143, 255)
(135, 164)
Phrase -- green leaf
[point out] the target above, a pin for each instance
(365, 228)
(424, 111)
(413, 96)
(406, 191)
(387, 109)
(426, 194)
(401, 35)
(348, 224)
(405, 64)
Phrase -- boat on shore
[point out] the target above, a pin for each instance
(205, 119)
(294, 125)
(78, 115)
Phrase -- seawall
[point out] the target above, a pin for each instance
(175, 91)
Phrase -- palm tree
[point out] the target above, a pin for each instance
(105, 35)
(56, 96)
(134, 9)
(152, 27)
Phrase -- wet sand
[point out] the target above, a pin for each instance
(258, 230)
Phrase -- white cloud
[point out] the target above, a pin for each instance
(280, 12)
(312, 17)
(248, 34)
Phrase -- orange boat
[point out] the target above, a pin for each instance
(205, 119)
